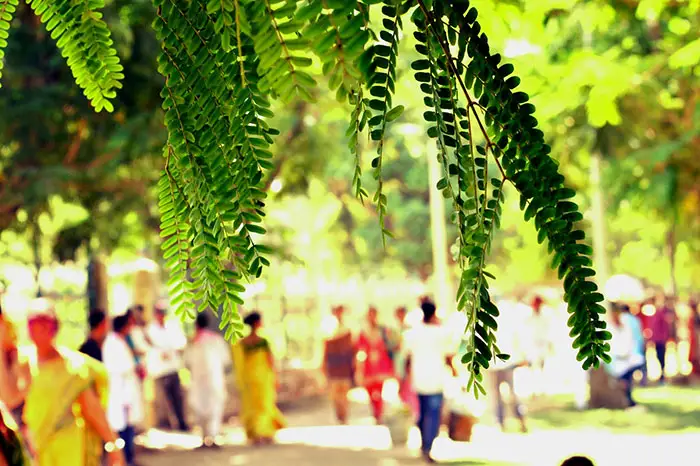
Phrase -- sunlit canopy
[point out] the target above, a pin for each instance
(623, 288)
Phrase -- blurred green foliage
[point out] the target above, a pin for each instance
(619, 77)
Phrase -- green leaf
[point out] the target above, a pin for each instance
(394, 113)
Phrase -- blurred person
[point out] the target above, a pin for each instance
(406, 393)
(577, 461)
(624, 351)
(64, 410)
(375, 364)
(661, 325)
(14, 374)
(167, 341)
(647, 309)
(97, 321)
(257, 384)
(9, 343)
(429, 348)
(124, 410)
(541, 345)
(642, 338)
(513, 339)
(13, 451)
(339, 365)
(568, 370)
(635, 325)
(694, 333)
(207, 357)
(137, 339)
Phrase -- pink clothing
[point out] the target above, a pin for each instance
(660, 325)
(374, 358)
(408, 395)
(206, 335)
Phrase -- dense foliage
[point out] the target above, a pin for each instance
(225, 60)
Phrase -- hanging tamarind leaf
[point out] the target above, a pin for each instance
(224, 61)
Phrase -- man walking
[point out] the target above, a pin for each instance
(208, 357)
(167, 342)
(339, 365)
(662, 330)
(98, 332)
(513, 338)
(429, 348)
(124, 409)
(541, 345)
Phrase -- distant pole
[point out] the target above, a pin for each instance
(442, 285)
(600, 256)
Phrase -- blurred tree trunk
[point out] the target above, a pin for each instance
(442, 291)
(605, 391)
(599, 227)
(671, 246)
(36, 252)
(97, 284)
(145, 286)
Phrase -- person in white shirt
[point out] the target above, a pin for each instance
(207, 357)
(512, 338)
(541, 344)
(626, 352)
(429, 348)
(124, 408)
(137, 339)
(167, 341)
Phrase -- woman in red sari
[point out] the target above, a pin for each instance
(375, 364)
(694, 332)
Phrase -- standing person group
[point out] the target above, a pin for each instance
(123, 350)
(71, 429)
(419, 357)
(82, 408)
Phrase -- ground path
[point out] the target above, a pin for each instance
(313, 440)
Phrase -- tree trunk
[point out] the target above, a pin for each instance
(36, 251)
(606, 391)
(671, 250)
(145, 291)
(600, 256)
(442, 289)
(97, 285)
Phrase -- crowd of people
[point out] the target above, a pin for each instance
(83, 408)
(419, 356)
(655, 324)
(101, 404)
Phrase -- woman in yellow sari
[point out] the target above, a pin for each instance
(257, 385)
(64, 410)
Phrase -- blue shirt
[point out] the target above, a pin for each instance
(636, 327)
